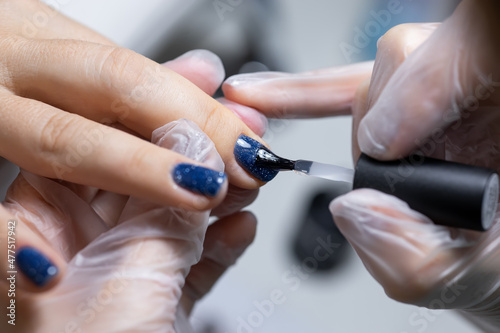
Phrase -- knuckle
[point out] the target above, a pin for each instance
(120, 69)
(403, 39)
(136, 161)
(212, 119)
(394, 36)
(12, 49)
(56, 132)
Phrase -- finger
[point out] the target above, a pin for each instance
(428, 90)
(206, 71)
(28, 262)
(407, 254)
(225, 242)
(250, 116)
(317, 93)
(66, 146)
(37, 20)
(118, 85)
(109, 206)
(393, 48)
(359, 109)
(235, 200)
(201, 67)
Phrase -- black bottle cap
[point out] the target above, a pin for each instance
(451, 194)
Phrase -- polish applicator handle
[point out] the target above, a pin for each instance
(451, 194)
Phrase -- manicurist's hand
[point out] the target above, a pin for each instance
(435, 91)
(75, 107)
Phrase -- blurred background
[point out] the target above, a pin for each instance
(280, 284)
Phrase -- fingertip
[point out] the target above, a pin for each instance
(344, 213)
(251, 79)
(374, 207)
(29, 262)
(370, 141)
(39, 271)
(202, 67)
(261, 90)
(240, 177)
(203, 188)
(249, 225)
(350, 206)
(230, 236)
(246, 152)
(236, 199)
(335, 205)
(255, 120)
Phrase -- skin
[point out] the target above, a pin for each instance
(65, 91)
(59, 99)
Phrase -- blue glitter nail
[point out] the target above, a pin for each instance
(35, 266)
(245, 152)
(198, 179)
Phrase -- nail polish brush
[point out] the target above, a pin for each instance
(449, 193)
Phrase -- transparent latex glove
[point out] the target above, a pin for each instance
(434, 90)
(127, 259)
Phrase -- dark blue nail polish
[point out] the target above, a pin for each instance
(35, 266)
(199, 179)
(245, 152)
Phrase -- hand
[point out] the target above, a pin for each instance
(61, 84)
(126, 262)
(319, 93)
(202, 68)
(434, 90)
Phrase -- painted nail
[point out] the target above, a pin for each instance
(245, 152)
(36, 266)
(198, 179)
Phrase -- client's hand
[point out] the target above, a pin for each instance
(61, 85)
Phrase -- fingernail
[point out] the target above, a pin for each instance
(341, 207)
(365, 205)
(370, 141)
(198, 179)
(241, 80)
(202, 54)
(245, 152)
(36, 266)
(207, 57)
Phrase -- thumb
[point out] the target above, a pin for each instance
(414, 260)
(447, 75)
